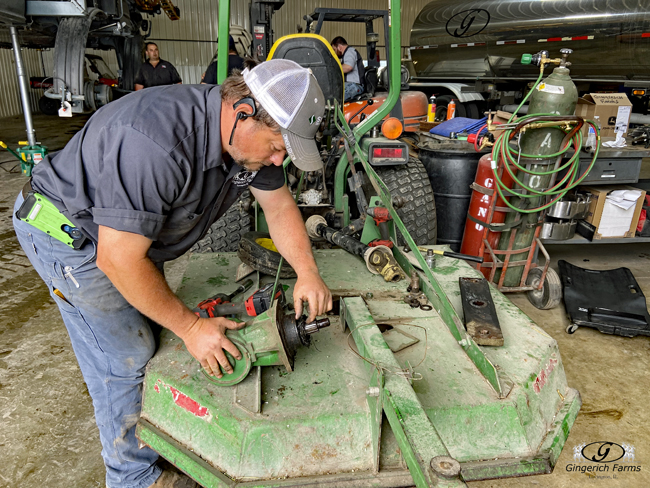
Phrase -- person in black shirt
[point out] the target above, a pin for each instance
(234, 62)
(155, 71)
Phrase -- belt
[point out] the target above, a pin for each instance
(27, 188)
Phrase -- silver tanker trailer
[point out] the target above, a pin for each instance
(470, 50)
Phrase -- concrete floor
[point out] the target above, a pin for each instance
(48, 436)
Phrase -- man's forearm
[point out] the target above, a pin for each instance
(145, 288)
(288, 232)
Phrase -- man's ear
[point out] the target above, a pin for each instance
(245, 106)
(244, 109)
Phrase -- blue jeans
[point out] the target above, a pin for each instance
(352, 90)
(112, 341)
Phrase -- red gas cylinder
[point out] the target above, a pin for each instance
(479, 208)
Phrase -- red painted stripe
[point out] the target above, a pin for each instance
(185, 402)
(554, 39)
(580, 38)
(645, 34)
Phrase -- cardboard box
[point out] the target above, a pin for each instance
(610, 220)
(612, 109)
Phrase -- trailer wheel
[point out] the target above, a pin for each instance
(130, 58)
(48, 106)
(472, 110)
(258, 251)
(441, 107)
(224, 234)
(69, 56)
(550, 295)
(411, 182)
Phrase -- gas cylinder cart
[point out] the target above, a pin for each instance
(389, 395)
(516, 184)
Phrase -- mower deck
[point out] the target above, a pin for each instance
(339, 421)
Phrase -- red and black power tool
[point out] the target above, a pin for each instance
(381, 216)
(221, 306)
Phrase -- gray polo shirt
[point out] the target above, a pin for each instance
(151, 163)
(350, 58)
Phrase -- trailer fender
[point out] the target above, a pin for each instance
(455, 88)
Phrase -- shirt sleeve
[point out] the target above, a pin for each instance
(176, 78)
(269, 178)
(139, 182)
(139, 77)
(350, 58)
(211, 74)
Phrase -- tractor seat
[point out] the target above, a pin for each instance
(314, 52)
(371, 81)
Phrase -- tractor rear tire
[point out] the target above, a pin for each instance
(411, 182)
(225, 233)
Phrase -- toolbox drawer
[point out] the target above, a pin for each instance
(610, 171)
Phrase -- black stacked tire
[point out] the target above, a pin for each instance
(411, 182)
(225, 233)
(260, 258)
(131, 57)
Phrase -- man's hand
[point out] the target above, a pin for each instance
(290, 237)
(311, 288)
(206, 340)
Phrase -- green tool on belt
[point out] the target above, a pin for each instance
(39, 212)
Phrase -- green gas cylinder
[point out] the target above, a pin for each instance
(556, 95)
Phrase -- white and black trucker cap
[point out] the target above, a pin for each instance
(291, 95)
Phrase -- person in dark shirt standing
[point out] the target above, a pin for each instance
(235, 61)
(155, 71)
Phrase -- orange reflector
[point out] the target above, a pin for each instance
(391, 128)
(638, 92)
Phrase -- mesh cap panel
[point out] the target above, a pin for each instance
(280, 86)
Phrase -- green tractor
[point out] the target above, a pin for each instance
(353, 136)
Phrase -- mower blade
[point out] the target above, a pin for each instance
(481, 318)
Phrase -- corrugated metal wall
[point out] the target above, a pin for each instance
(190, 43)
(9, 90)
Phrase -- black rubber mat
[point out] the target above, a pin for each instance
(610, 301)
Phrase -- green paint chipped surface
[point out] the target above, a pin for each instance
(217, 280)
(317, 419)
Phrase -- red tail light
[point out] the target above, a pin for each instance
(388, 153)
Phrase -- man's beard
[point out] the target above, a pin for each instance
(250, 166)
(247, 164)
